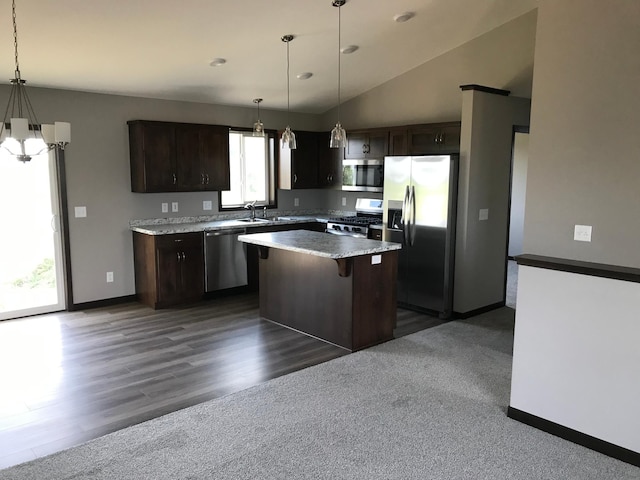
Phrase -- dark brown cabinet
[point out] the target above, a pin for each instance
(169, 157)
(312, 164)
(169, 269)
(434, 138)
(372, 143)
(329, 163)
(398, 142)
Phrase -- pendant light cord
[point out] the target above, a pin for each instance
(339, 43)
(288, 115)
(15, 38)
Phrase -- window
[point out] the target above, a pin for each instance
(252, 170)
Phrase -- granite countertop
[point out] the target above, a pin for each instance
(202, 226)
(320, 244)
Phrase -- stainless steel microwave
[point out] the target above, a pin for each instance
(363, 175)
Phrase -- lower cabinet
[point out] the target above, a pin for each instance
(169, 269)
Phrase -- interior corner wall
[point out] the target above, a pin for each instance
(584, 162)
(484, 183)
(501, 58)
(98, 176)
(518, 192)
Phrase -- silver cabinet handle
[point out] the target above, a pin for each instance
(178, 253)
(295, 178)
(175, 180)
(207, 175)
(184, 256)
(202, 178)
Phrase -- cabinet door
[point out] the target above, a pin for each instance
(398, 139)
(191, 282)
(329, 163)
(299, 167)
(357, 142)
(152, 156)
(423, 140)
(378, 145)
(168, 272)
(189, 173)
(450, 139)
(215, 158)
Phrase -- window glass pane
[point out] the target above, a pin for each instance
(256, 171)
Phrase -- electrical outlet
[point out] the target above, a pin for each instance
(484, 214)
(206, 205)
(109, 277)
(174, 206)
(296, 202)
(582, 233)
(165, 207)
(80, 212)
(344, 201)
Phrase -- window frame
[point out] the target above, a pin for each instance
(272, 173)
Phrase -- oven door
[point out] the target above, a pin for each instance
(363, 175)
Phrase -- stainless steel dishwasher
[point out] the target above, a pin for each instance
(225, 259)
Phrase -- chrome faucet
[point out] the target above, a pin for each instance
(251, 206)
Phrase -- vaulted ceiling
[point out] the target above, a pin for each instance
(163, 48)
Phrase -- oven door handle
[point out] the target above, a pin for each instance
(405, 221)
(347, 234)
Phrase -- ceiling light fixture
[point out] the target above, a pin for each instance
(258, 127)
(403, 17)
(23, 137)
(216, 62)
(338, 134)
(349, 49)
(288, 139)
(304, 75)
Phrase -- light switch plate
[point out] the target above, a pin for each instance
(206, 205)
(376, 259)
(165, 207)
(582, 233)
(109, 277)
(174, 206)
(80, 212)
(484, 214)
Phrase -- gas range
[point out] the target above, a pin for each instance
(368, 213)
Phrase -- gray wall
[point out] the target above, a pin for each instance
(584, 163)
(518, 192)
(484, 184)
(502, 58)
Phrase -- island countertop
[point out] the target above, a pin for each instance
(320, 244)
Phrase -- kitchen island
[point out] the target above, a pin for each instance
(337, 288)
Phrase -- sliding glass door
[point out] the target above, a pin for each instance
(31, 270)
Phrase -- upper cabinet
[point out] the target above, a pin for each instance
(373, 143)
(433, 138)
(168, 157)
(312, 164)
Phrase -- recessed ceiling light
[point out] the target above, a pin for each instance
(403, 17)
(304, 75)
(349, 49)
(216, 62)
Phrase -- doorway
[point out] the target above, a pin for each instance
(519, 164)
(31, 266)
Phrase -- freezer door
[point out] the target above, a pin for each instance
(429, 255)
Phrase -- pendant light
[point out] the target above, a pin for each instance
(288, 139)
(258, 127)
(338, 134)
(20, 133)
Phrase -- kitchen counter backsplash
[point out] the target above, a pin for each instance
(239, 215)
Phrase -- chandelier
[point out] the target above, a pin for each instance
(20, 133)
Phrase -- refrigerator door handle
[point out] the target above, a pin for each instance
(412, 224)
(405, 217)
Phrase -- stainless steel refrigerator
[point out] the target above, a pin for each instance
(419, 211)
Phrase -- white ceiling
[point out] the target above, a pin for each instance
(162, 48)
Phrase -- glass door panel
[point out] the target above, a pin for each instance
(31, 278)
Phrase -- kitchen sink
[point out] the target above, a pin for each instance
(254, 220)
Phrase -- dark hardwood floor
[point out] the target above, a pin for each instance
(69, 377)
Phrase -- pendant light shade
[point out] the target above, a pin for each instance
(20, 132)
(338, 134)
(288, 139)
(258, 126)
